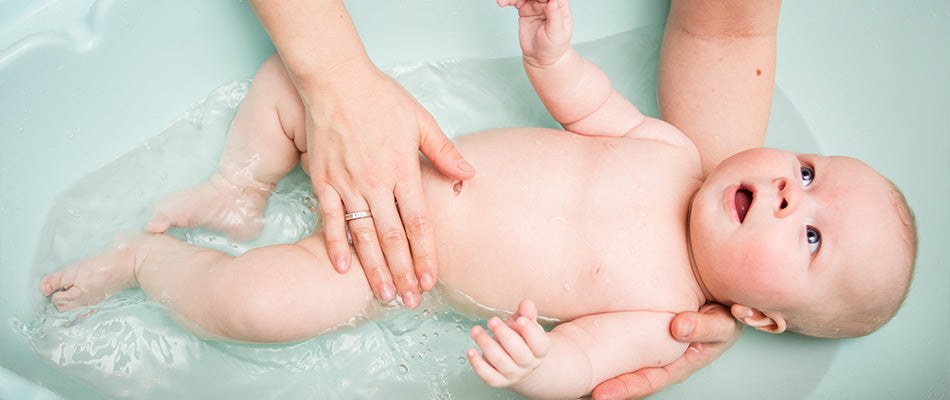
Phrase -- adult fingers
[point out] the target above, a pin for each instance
(439, 149)
(635, 385)
(415, 220)
(713, 323)
(395, 248)
(364, 236)
(334, 227)
(711, 331)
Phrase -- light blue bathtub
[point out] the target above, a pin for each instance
(83, 82)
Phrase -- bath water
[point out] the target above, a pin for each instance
(128, 348)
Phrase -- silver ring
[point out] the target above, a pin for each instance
(357, 215)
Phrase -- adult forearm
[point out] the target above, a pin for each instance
(312, 36)
(717, 73)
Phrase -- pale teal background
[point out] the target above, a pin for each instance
(83, 81)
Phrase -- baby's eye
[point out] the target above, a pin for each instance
(808, 175)
(814, 239)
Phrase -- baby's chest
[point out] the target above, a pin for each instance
(644, 273)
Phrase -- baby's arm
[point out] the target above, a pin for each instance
(260, 150)
(575, 356)
(575, 91)
(717, 73)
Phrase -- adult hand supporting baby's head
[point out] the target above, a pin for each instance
(710, 332)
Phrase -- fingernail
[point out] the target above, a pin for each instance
(387, 292)
(464, 166)
(341, 264)
(426, 281)
(410, 299)
(687, 329)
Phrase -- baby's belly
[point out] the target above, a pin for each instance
(523, 230)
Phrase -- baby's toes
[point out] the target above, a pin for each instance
(159, 223)
(54, 281)
(67, 299)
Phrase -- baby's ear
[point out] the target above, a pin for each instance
(763, 321)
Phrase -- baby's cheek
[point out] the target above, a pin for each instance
(764, 269)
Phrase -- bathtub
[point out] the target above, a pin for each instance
(83, 82)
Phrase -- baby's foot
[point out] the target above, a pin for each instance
(219, 205)
(93, 279)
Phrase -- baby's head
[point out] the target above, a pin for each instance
(822, 246)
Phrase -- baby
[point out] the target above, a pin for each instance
(609, 227)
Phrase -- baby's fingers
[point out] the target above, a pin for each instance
(515, 3)
(484, 370)
(534, 336)
(495, 354)
(559, 23)
(513, 344)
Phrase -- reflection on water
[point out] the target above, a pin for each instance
(127, 347)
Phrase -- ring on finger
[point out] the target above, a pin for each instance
(357, 215)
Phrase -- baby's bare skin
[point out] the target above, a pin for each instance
(569, 217)
(592, 229)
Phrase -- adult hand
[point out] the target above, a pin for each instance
(364, 134)
(710, 332)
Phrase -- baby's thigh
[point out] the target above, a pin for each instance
(295, 292)
(274, 89)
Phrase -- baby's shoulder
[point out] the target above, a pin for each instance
(661, 131)
(662, 137)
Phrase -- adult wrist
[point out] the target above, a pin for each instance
(309, 74)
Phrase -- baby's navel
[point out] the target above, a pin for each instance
(457, 187)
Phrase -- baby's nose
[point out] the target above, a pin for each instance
(788, 197)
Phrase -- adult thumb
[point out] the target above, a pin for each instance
(442, 152)
(713, 323)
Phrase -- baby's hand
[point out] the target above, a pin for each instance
(544, 29)
(518, 347)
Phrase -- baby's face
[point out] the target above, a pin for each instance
(777, 230)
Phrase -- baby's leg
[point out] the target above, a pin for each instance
(272, 294)
(260, 150)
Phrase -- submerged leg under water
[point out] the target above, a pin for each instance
(274, 294)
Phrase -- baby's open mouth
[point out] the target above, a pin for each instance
(743, 201)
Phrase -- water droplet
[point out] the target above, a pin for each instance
(403, 369)
(566, 286)
(426, 313)
(424, 338)
(461, 360)
(458, 328)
